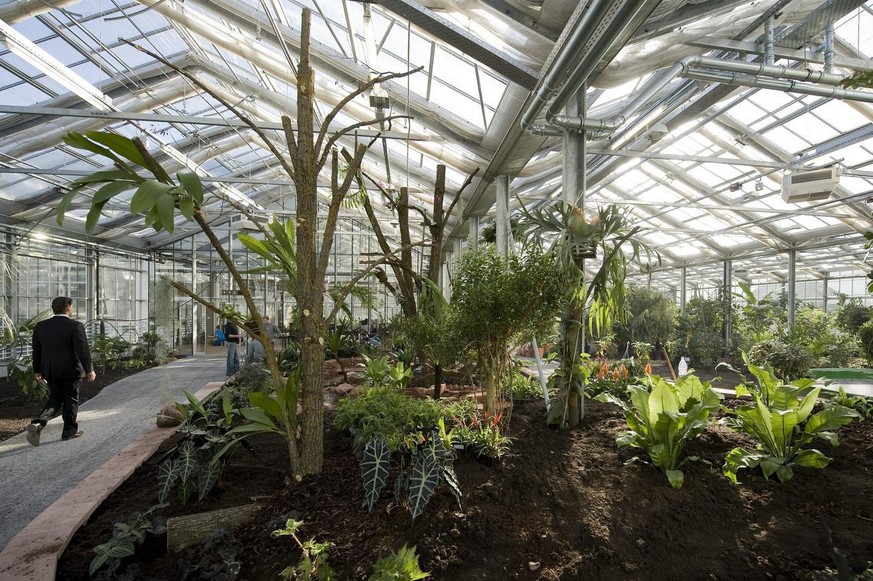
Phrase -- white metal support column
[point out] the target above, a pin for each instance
(504, 236)
(474, 231)
(683, 288)
(792, 285)
(824, 298)
(726, 285)
(573, 189)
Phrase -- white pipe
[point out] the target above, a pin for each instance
(829, 48)
(17, 11)
(778, 85)
(682, 67)
(553, 77)
(768, 41)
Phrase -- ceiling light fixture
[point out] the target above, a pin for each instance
(52, 67)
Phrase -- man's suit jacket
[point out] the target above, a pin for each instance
(60, 349)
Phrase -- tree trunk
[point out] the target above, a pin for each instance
(309, 287)
(437, 381)
(572, 343)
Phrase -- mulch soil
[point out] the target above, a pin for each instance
(561, 505)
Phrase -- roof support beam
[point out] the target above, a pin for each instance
(453, 35)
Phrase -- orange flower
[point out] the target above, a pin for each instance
(615, 374)
(624, 372)
(603, 371)
(648, 368)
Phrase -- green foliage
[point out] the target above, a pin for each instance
(520, 386)
(430, 462)
(862, 405)
(109, 350)
(663, 417)
(155, 198)
(196, 463)
(519, 299)
(253, 377)
(783, 429)
(651, 317)
(387, 413)
(851, 313)
(613, 377)
(125, 537)
(865, 336)
(376, 371)
(217, 558)
(788, 361)
(699, 332)
(313, 564)
(273, 412)
(611, 231)
(338, 343)
(400, 565)
(21, 372)
(289, 358)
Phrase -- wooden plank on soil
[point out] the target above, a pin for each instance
(192, 529)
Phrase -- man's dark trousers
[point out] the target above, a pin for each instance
(64, 396)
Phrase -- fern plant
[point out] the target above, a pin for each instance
(401, 565)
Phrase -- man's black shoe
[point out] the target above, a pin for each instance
(71, 436)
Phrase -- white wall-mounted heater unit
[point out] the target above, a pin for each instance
(810, 185)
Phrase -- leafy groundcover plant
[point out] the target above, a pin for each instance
(783, 430)
(663, 416)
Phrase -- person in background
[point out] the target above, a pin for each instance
(62, 358)
(273, 332)
(231, 339)
(255, 352)
(218, 337)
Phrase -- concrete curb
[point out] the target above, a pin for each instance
(34, 552)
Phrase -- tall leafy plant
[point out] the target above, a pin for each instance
(604, 244)
(498, 302)
(663, 417)
(159, 196)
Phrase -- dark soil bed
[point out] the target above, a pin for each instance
(16, 409)
(562, 505)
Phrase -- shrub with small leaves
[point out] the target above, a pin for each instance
(401, 565)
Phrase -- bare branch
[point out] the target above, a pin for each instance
(345, 131)
(466, 183)
(359, 91)
(344, 291)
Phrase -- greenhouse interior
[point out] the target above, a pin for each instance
(683, 181)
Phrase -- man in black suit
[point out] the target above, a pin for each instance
(60, 356)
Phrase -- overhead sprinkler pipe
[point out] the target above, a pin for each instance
(682, 68)
(781, 85)
(552, 80)
(829, 48)
(626, 14)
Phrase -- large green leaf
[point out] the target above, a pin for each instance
(146, 196)
(690, 387)
(811, 459)
(93, 216)
(740, 458)
(783, 424)
(268, 404)
(663, 399)
(192, 184)
(374, 469)
(166, 211)
(676, 478)
(79, 141)
(187, 461)
(257, 416)
(118, 144)
(831, 418)
(807, 404)
(168, 472)
(639, 397)
(424, 476)
(110, 190)
(206, 478)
